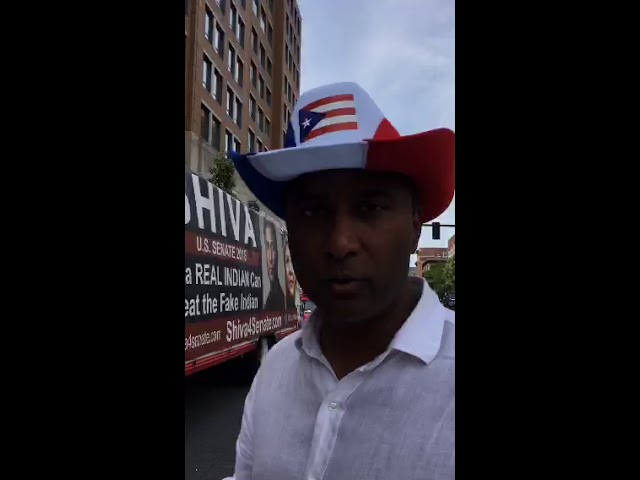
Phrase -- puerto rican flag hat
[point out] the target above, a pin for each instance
(339, 126)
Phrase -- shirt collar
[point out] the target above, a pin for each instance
(419, 336)
(421, 333)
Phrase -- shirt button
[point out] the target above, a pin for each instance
(333, 406)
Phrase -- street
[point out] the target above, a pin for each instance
(213, 410)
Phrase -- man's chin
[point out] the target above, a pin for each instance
(345, 313)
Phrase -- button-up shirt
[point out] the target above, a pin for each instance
(392, 418)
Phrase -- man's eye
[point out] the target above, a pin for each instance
(370, 207)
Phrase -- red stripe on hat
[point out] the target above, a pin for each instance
(332, 128)
(326, 100)
(386, 131)
(340, 111)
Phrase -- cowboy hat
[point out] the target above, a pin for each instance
(339, 126)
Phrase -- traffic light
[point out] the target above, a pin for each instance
(435, 230)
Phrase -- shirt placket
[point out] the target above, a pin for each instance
(330, 415)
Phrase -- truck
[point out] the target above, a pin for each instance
(241, 295)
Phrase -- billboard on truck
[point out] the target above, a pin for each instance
(239, 282)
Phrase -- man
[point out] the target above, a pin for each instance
(366, 389)
(275, 301)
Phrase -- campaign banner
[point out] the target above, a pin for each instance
(238, 272)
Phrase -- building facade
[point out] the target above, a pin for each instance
(242, 78)
(429, 256)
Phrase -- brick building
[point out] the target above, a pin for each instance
(429, 256)
(242, 78)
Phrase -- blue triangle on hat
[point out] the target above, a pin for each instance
(308, 121)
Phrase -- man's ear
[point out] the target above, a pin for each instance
(416, 223)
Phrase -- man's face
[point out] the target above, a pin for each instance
(291, 276)
(270, 250)
(351, 234)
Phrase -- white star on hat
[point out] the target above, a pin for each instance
(306, 123)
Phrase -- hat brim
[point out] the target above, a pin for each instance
(426, 158)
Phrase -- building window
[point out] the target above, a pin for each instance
(259, 145)
(269, 67)
(286, 54)
(268, 97)
(267, 126)
(252, 141)
(217, 85)
(186, 8)
(209, 128)
(244, 4)
(232, 143)
(261, 86)
(296, 77)
(290, 62)
(253, 75)
(239, 73)
(230, 102)
(252, 107)
(271, 5)
(233, 17)
(236, 24)
(231, 59)
(255, 4)
(206, 73)
(205, 123)
(254, 40)
(208, 24)
(263, 20)
(240, 32)
(215, 133)
(287, 115)
(219, 41)
(229, 141)
(270, 34)
(298, 52)
(293, 99)
(238, 113)
(263, 56)
(221, 5)
(287, 24)
(260, 119)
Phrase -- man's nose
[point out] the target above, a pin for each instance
(342, 240)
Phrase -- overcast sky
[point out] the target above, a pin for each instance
(402, 52)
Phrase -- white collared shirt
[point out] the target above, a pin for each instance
(393, 418)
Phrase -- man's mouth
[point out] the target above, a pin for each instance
(343, 287)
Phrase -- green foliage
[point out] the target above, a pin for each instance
(442, 276)
(435, 278)
(449, 274)
(222, 171)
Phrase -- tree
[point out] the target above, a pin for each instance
(222, 171)
(449, 274)
(435, 278)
